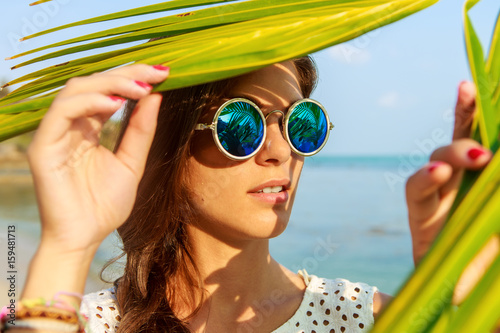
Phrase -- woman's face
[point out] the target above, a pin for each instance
(227, 195)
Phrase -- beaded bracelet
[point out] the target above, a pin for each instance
(55, 315)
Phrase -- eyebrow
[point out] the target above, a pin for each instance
(249, 97)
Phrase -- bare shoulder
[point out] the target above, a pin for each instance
(380, 301)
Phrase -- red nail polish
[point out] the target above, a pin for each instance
(117, 99)
(434, 165)
(161, 67)
(474, 153)
(143, 85)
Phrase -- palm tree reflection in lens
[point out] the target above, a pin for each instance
(307, 127)
(240, 129)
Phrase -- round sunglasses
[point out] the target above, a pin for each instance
(239, 128)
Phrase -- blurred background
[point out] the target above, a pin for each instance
(391, 95)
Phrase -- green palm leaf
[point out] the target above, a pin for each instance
(493, 69)
(488, 124)
(424, 303)
(156, 8)
(207, 44)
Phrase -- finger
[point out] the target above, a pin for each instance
(423, 196)
(106, 85)
(464, 110)
(463, 153)
(130, 81)
(134, 147)
(152, 74)
(425, 183)
(57, 124)
(427, 207)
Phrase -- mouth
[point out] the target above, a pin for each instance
(272, 192)
(271, 189)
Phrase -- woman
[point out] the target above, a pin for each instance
(196, 232)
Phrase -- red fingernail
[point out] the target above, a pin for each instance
(143, 85)
(117, 99)
(474, 153)
(161, 67)
(434, 165)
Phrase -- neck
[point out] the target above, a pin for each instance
(238, 278)
(237, 267)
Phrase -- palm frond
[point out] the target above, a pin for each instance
(424, 302)
(204, 45)
(493, 68)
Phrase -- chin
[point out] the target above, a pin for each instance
(269, 228)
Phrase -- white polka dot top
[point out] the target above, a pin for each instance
(328, 306)
(332, 306)
(101, 310)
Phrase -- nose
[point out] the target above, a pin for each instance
(275, 149)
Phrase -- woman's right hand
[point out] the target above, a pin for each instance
(85, 191)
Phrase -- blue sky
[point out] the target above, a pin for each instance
(389, 92)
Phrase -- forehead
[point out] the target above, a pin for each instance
(274, 86)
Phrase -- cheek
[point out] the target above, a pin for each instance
(205, 153)
(214, 179)
(296, 165)
(218, 200)
(202, 143)
(219, 197)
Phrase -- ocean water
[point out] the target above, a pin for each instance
(349, 220)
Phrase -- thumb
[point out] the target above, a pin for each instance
(134, 147)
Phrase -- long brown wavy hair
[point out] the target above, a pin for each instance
(160, 273)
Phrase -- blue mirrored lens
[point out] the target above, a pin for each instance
(307, 127)
(240, 128)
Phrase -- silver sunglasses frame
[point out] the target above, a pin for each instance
(285, 120)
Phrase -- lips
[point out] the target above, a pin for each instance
(272, 192)
(271, 189)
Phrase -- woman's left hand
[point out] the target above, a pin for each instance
(431, 191)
